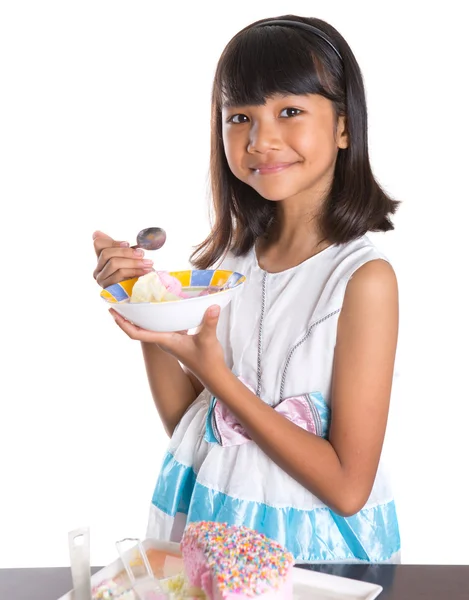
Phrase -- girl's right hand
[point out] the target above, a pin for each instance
(117, 261)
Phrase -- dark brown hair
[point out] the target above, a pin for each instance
(256, 64)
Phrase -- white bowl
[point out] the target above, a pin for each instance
(177, 315)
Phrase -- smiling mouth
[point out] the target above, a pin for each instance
(271, 169)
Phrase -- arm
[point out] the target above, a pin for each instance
(341, 470)
(173, 387)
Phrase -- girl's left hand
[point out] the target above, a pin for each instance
(201, 352)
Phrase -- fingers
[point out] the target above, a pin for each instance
(117, 261)
(120, 275)
(102, 240)
(165, 340)
(101, 234)
(117, 264)
(208, 327)
(212, 313)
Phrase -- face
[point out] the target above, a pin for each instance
(286, 148)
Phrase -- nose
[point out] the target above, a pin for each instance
(263, 137)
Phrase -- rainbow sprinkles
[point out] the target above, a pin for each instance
(227, 561)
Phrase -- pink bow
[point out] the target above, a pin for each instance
(296, 409)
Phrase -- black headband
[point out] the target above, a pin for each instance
(304, 26)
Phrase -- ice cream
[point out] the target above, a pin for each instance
(157, 286)
(234, 563)
(110, 590)
(160, 286)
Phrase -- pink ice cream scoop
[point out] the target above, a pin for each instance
(172, 284)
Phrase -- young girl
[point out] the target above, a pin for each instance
(278, 413)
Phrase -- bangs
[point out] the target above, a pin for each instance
(266, 61)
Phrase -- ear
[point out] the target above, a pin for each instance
(341, 133)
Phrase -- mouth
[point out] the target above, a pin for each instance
(271, 168)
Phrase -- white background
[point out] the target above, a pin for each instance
(105, 125)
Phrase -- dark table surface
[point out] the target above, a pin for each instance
(400, 582)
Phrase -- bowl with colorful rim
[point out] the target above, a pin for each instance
(199, 289)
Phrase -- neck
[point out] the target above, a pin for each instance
(294, 237)
(296, 226)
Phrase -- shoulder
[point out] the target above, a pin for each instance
(369, 287)
(375, 277)
(362, 266)
(351, 268)
(356, 252)
(239, 264)
(371, 298)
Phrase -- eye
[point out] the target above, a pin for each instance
(237, 119)
(290, 112)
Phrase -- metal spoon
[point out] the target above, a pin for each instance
(151, 238)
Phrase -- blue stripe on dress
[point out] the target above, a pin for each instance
(372, 535)
(209, 433)
(173, 490)
(323, 410)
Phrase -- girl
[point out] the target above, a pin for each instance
(277, 410)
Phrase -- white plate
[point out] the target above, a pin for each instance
(307, 585)
(312, 585)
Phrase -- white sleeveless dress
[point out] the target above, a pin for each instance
(278, 335)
